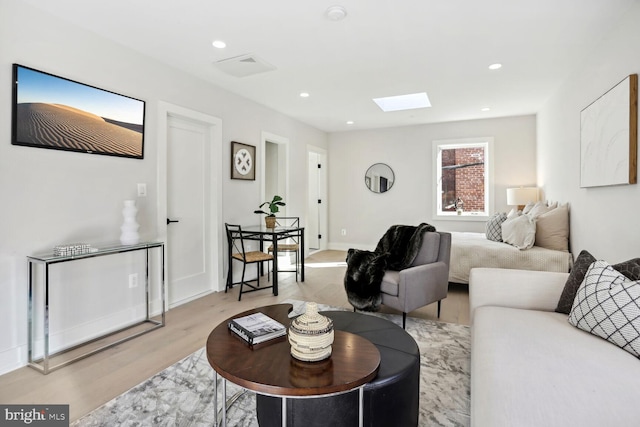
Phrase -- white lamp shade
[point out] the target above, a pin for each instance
(521, 196)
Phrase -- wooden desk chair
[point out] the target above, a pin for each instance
(291, 244)
(235, 239)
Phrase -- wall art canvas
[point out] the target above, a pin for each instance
(62, 114)
(609, 137)
(243, 161)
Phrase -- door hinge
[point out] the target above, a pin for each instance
(319, 166)
(319, 236)
(319, 200)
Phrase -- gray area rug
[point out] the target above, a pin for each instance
(182, 394)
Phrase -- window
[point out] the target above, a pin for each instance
(463, 177)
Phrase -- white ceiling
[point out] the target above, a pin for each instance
(382, 48)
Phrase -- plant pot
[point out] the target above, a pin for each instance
(270, 221)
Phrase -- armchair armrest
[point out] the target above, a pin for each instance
(533, 290)
(423, 284)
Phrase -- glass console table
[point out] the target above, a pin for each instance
(43, 364)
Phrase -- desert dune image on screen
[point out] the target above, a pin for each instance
(53, 112)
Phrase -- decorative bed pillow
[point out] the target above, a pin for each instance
(519, 232)
(513, 213)
(608, 305)
(493, 227)
(527, 208)
(552, 229)
(579, 269)
(630, 269)
(538, 209)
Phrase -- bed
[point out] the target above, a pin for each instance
(469, 250)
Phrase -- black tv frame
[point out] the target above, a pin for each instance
(43, 123)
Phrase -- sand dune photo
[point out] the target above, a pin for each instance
(54, 112)
(65, 127)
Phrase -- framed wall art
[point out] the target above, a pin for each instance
(609, 137)
(61, 114)
(243, 161)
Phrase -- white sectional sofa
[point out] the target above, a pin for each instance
(531, 367)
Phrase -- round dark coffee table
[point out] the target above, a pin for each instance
(269, 369)
(390, 399)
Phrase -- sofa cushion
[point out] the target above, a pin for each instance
(430, 248)
(580, 267)
(607, 304)
(519, 232)
(390, 282)
(493, 227)
(532, 368)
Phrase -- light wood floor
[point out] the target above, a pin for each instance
(91, 382)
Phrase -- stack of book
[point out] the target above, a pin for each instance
(257, 328)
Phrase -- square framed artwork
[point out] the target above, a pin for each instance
(243, 161)
(609, 137)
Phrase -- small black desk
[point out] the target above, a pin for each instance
(261, 233)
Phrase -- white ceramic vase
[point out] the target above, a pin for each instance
(129, 227)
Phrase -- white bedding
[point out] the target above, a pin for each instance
(469, 250)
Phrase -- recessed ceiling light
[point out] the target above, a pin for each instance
(336, 13)
(219, 44)
(495, 66)
(304, 95)
(485, 109)
(350, 122)
(403, 102)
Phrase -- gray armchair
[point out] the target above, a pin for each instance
(425, 281)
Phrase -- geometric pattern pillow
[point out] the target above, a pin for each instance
(493, 227)
(608, 305)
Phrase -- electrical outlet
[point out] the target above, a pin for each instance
(343, 231)
(133, 280)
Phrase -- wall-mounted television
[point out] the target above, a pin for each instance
(62, 114)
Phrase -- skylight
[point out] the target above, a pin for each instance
(403, 102)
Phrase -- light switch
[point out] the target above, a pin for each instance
(142, 190)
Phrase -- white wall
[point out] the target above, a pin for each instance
(408, 150)
(604, 220)
(51, 197)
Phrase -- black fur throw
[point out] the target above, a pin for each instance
(365, 269)
(402, 243)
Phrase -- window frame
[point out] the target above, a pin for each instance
(447, 144)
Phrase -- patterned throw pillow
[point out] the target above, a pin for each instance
(608, 305)
(493, 227)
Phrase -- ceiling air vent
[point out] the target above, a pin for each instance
(244, 65)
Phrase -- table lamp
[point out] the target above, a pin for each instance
(521, 196)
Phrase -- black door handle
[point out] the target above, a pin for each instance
(169, 221)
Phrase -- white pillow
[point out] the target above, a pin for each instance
(607, 304)
(513, 213)
(552, 229)
(528, 207)
(519, 232)
(538, 209)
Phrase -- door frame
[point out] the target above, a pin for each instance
(283, 142)
(165, 110)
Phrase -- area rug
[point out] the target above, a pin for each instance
(182, 394)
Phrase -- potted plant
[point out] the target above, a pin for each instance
(274, 207)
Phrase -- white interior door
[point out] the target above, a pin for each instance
(188, 192)
(316, 227)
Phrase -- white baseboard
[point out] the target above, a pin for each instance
(11, 359)
(346, 246)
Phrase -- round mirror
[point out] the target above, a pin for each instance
(379, 178)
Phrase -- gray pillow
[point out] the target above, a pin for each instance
(493, 227)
